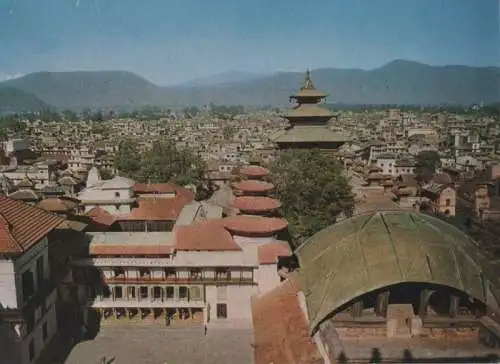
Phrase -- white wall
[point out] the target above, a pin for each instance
(237, 298)
(267, 277)
(8, 296)
(36, 335)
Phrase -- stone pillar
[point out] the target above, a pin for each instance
(454, 304)
(382, 304)
(205, 315)
(357, 308)
(423, 302)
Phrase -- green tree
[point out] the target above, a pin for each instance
(128, 158)
(427, 162)
(163, 163)
(105, 173)
(167, 163)
(313, 191)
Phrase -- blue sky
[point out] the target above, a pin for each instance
(172, 41)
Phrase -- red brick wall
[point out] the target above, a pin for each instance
(451, 333)
(350, 332)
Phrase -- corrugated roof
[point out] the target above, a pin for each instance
(375, 250)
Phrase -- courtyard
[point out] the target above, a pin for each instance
(160, 345)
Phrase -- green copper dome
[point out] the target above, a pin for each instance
(379, 249)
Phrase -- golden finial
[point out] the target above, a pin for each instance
(308, 84)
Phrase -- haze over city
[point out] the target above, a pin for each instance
(172, 42)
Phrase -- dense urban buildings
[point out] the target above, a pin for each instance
(412, 274)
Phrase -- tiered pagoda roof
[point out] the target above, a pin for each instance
(252, 199)
(254, 225)
(251, 204)
(308, 120)
(254, 171)
(253, 186)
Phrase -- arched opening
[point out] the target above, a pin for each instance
(439, 302)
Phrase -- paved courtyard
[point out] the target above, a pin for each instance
(160, 345)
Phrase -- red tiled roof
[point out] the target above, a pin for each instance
(247, 224)
(144, 188)
(57, 205)
(22, 225)
(101, 216)
(106, 249)
(269, 253)
(281, 331)
(205, 235)
(254, 171)
(251, 185)
(157, 209)
(255, 203)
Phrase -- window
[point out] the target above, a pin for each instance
(157, 293)
(448, 202)
(117, 194)
(118, 292)
(183, 293)
(221, 310)
(45, 332)
(170, 292)
(130, 292)
(31, 350)
(28, 284)
(143, 292)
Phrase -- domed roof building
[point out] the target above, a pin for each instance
(391, 280)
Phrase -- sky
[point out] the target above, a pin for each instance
(172, 41)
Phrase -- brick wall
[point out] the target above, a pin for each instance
(449, 333)
(350, 332)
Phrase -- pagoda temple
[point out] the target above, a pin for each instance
(308, 122)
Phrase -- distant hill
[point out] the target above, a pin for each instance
(225, 78)
(78, 90)
(398, 82)
(13, 100)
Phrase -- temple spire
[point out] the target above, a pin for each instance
(308, 84)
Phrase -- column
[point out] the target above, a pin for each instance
(205, 315)
(423, 302)
(382, 304)
(357, 308)
(454, 305)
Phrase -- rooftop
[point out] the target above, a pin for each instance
(254, 171)
(256, 203)
(253, 186)
(207, 235)
(281, 332)
(22, 225)
(379, 249)
(250, 225)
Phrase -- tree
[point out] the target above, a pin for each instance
(163, 163)
(105, 173)
(426, 162)
(313, 191)
(128, 158)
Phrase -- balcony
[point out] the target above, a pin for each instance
(101, 302)
(147, 279)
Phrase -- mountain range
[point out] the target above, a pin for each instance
(398, 82)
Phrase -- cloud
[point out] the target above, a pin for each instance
(9, 76)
